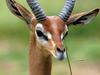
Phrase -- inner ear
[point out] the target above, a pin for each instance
(82, 18)
(85, 19)
(19, 11)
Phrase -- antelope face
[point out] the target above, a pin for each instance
(50, 31)
(50, 34)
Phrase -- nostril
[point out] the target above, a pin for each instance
(61, 50)
(60, 53)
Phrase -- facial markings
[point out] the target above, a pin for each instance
(49, 35)
(65, 33)
(55, 26)
(39, 31)
(54, 29)
(43, 36)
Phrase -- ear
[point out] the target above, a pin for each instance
(82, 18)
(19, 11)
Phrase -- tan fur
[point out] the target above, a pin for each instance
(39, 58)
(40, 62)
(56, 27)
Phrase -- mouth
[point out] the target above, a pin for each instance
(60, 55)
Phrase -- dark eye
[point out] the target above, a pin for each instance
(41, 35)
(65, 35)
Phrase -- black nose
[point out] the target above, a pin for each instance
(60, 53)
(61, 50)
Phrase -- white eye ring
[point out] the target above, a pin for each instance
(66, 30)
(39, 27)
(49, 35)
(62, 35)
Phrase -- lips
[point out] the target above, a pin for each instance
(60, 55)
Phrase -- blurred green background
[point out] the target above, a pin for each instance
(83, 42)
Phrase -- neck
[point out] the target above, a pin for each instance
(39, 60)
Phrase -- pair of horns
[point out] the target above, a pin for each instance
(40, 14)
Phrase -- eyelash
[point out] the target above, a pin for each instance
(41, 35)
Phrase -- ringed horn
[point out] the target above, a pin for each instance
(67, 10)
(37, 10)
(40, 14)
